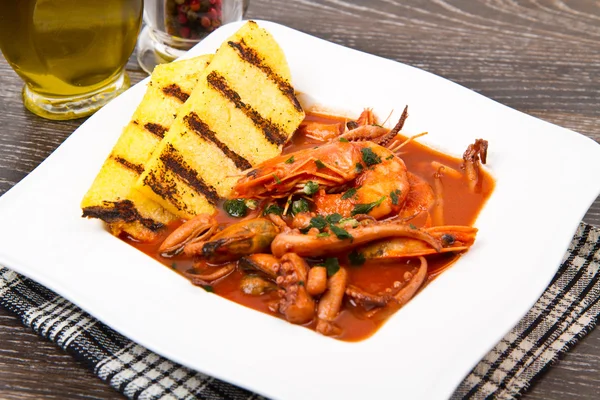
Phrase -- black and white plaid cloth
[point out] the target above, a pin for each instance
(567, 310)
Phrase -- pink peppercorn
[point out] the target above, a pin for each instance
(195, 5)
(205, 22)
(181, 18)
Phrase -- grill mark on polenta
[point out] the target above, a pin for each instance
(156, 129)
(250, 55)
(270, 130)
(137, 168)
(203, 130)
(174, 90)
(174, 162)
(165, 188)
(120, 211)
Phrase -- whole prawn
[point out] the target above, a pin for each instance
(375, 179)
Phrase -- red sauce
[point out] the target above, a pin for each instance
(461, 207)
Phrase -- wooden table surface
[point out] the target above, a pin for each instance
(541, 57)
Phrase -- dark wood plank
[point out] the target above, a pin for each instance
(541, 57)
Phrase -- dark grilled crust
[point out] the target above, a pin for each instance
(202, 129)
(250, 55)
(174, 90)
(270, 130)
(137, 168)
(173, 161)
(164, 187)
(120, 211)
(156, 129)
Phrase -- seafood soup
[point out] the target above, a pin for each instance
(337, 233)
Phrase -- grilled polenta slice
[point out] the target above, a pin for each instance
(112, 197)
(240, 114)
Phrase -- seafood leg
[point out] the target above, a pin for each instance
(394, 297)
(364, 132)
(414, 284)
(384, 140)
(312, 245)
(438, 205)
(317, 281)
(367, 299)
(331, 303)
(475, 153)
(296, 304)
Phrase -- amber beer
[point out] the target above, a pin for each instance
(67, 49)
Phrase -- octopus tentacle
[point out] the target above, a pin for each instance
(384, 140)
(317, 280)
(364, 298)
(331, 303)
(296, 304)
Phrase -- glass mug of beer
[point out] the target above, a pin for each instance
(175, 26)
(70, 53)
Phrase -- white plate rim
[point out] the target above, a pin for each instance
(348, 380)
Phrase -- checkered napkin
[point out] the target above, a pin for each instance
(567, 310)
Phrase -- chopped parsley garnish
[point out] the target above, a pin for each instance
(341, 233)
(394, 196)
(236, 207)
(174, 265)
(333, 218)
(387, 158)
(208, 288)
(344, 140)
(356, 258)
(300, 206)
(350, 193)
(323, 234)
(273, 209)
(332, 265)
(359, 168)
(320, 164)
(369, 157)
(412, 226)
(366, 208)
(290, 160)
(300, 283)
(318, 222)
(311, 188)
(277, 180)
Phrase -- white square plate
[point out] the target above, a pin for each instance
(546, 179)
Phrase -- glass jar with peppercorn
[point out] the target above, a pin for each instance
(175, 26)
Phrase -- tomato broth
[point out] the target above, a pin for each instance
(460, 207)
